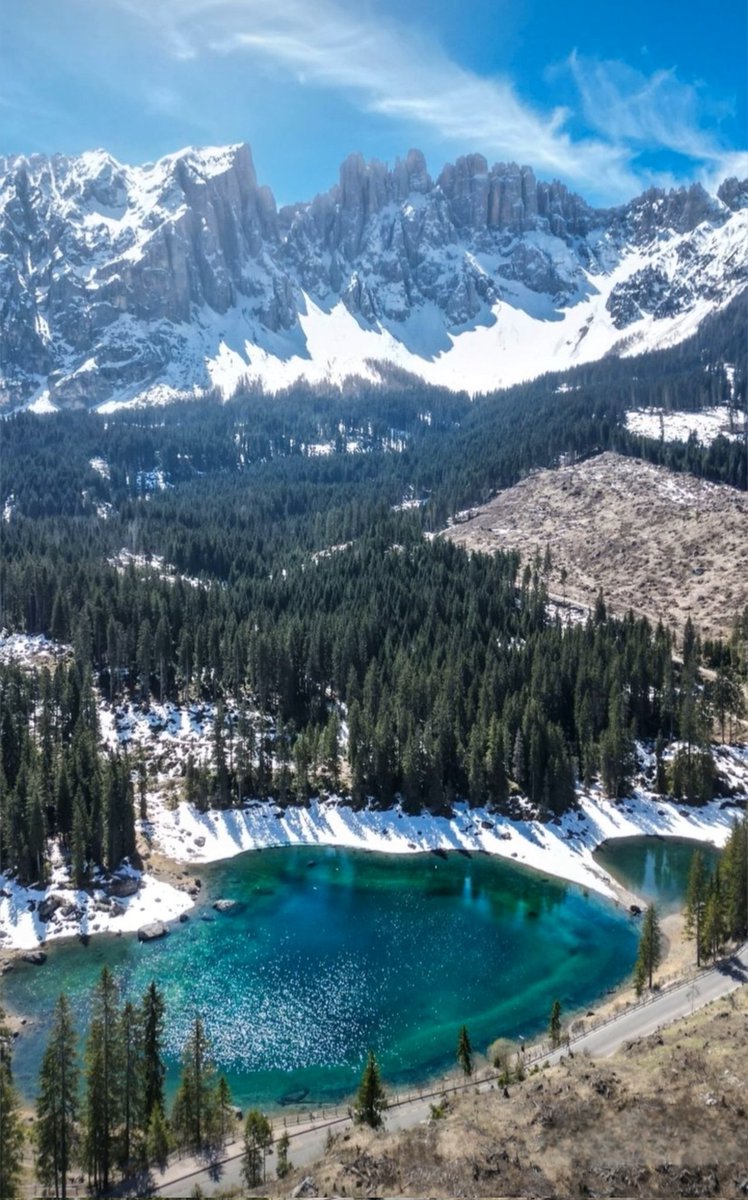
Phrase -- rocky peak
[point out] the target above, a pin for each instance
(111, 275)
(734, 193)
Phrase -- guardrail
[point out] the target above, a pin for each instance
(328, 1117)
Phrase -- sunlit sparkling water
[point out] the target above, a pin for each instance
(330, 952)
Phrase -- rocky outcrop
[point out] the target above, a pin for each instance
(49, 906)
(37, 958)
(122, 886)
(115, 280)
(152, 931)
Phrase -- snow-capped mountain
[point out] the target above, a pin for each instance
(126, 283)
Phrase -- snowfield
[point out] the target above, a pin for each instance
(564, 849)
(675, 426)
(82, 912)
(168, 734)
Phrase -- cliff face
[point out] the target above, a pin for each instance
(115, 280)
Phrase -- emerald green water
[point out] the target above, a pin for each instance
(655, 868)
(334, 951)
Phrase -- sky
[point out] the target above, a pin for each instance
(610, 98)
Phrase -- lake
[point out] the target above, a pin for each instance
(655, 868)
(331, 951)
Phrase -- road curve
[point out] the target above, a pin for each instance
(308, 1142)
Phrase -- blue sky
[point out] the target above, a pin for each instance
(607, 97)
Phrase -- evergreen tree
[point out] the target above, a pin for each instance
(465, 1051)
(554, 1024)
(153, 1010)
(371, 1100)
(258, 1138)
(194, 1108)
(157, 1138)
(224, 1109)
(103, 1078)
(282, 1162)
(695, 903)
(132, 1100)
(11, 1129)
(650, 949)
(57, 1104)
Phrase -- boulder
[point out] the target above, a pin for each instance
(225, 906)
(152, 931)
(117, 909)
(122, 886)
(36, 957)
(49, 906)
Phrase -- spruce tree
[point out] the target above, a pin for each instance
(133, 1109)
(258, 1138)
(157, 1138)
(103, 1081)
(282, 1162)
(371, 1100)
(465, 1051)
(650, 949)
(153, 1011)
(57, 1104)
(695, 903)
(224, 1109)
(11, 1129)
(554, 1024)
(194, 1107)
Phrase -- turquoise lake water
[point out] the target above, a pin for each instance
(655, 868)
(333, 951)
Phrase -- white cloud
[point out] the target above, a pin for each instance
(646, 112)
(394, 70)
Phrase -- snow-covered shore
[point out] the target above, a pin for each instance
(81, 912)
(564, 849)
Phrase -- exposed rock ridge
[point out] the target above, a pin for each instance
(113, 278)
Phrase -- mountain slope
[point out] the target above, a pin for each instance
(121, 283)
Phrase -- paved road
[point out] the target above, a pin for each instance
(308, 1141)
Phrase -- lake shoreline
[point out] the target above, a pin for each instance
(177, 840)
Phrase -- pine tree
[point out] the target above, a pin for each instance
(282, 1162)
(695, 902)
(103, 1081)
(11, 1129)
(650, 949)
(554, 1024)
(153, 1010)
(713, 924)
(465, 1051)
(223, 1109)
(57, 1105)
(157, 1138)
(371, 1100)
(193, 1115)
(133, 1119)
(258, 1137)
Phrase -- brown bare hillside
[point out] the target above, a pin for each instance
(664, 544)
(666, 1117)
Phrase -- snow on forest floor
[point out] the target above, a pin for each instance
(168, 734)
(563, 848)
(77, 911)
(677, 426)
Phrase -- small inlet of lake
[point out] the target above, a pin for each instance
(328, 952)
(655, 868)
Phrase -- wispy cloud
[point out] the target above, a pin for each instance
(392, 69)
(646, 112)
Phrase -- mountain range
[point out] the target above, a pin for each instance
(124, 284)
